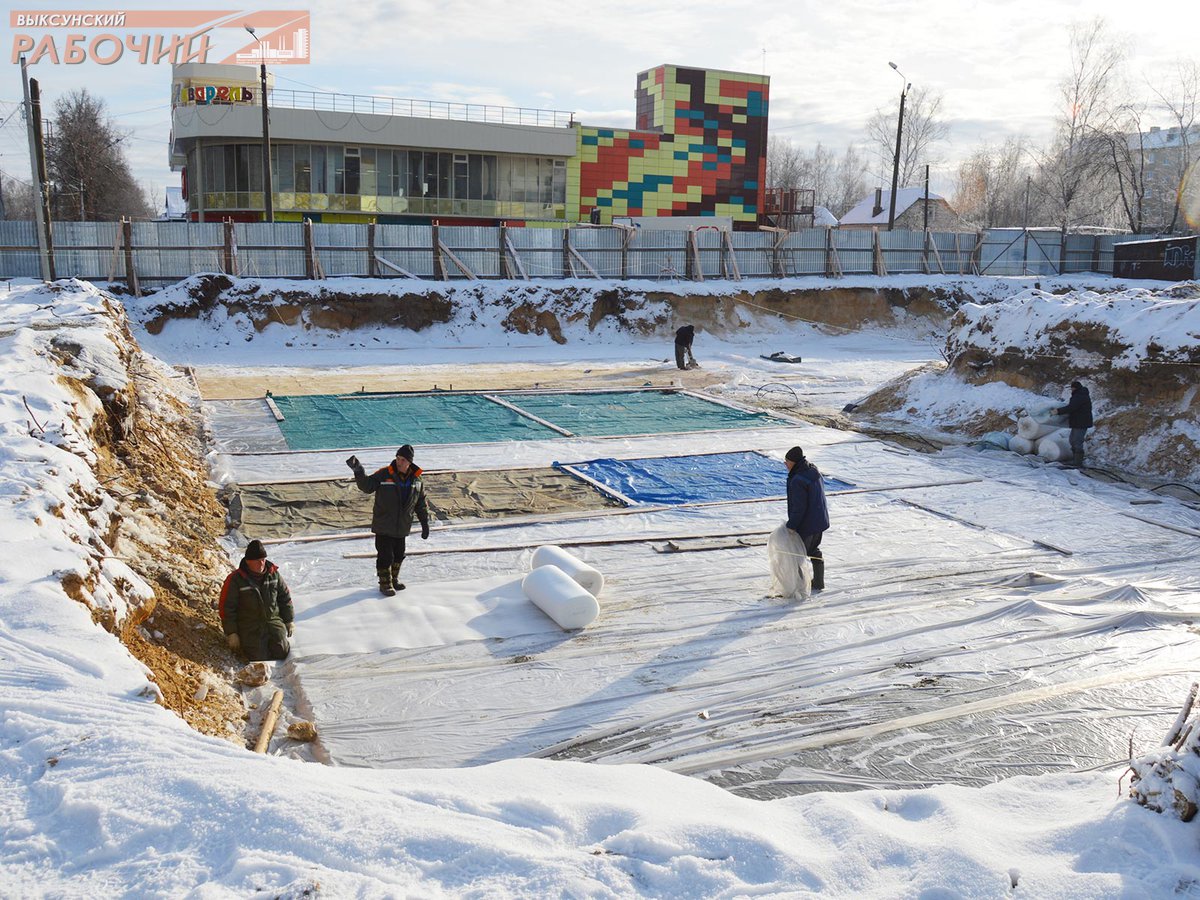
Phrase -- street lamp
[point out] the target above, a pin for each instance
(896, 158)
(268, 193)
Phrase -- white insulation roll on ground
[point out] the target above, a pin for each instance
(576, 568)
(1031, 429)
(1018, 444)
(1055, 446)
(560, 597)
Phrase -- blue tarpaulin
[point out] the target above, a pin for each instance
(671, 480)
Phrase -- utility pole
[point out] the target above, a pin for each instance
(896, 158)
(268, 195)
(1025, 230)
(926, 197)
(37, 167)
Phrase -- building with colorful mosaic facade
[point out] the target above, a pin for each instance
(699, 149)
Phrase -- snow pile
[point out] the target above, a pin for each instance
(1086, 330)
(1136, 349)
(64, 373)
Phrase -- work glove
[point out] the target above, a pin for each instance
(290, 628)
(235, 642)
(353, 462)
(424, 531)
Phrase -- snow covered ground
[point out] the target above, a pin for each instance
(988, 619)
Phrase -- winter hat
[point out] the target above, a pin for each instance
(256, 550)
(1075, 385)
(406, 451)
(795, 455)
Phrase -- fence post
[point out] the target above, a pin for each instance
(372, 265)
(877, 247)
(566, 252)
(828, 252)
(310, 252)
(504, 270)
(1096, 253)
(439, 267)
(227, 256)
(626, 239)
(131, 277)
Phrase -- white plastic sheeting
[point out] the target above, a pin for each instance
(561, 597)
(791, 569)
(583, 574)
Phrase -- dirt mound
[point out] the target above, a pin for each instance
(1138, 352)
(164, 523)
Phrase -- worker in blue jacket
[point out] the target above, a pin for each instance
(808, 515)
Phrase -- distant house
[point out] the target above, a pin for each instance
(174, 206)
(872, 212)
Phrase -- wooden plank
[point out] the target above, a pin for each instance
(396, 268)
(274, 409)
(268, 726)
(458, 262)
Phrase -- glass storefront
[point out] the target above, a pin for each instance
(381, 180)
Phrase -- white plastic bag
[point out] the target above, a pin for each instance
(791, 569)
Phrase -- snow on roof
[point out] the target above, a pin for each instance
(823, 218)
(905, 197)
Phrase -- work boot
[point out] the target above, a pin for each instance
(818, 582)
(1077, 459)
(385, 583)
(396, 583)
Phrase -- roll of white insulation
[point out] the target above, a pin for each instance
(576, 568)
(1018, 444)
(1031, 429)
(560, 597)
(1055, 446)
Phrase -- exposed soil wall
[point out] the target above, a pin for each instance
(542, 309)
(164, 522)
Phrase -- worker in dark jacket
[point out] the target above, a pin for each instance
(808, 515)
(399, 495)
(683, 347)
(256, 607)
(1079, 419)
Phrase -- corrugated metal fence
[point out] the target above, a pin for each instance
(169, 251)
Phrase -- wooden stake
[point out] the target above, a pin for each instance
(268, 725)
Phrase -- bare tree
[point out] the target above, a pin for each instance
(991, 186)
(1072, 170)
(923, 130)
(86, 163)
(1181, 101)
(1126, 154)
(784, 164)
(849, 182)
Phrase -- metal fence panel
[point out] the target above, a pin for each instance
(477, 248)
(19, 250)
(903, 251)
(85, 250)
(856, 251)
(341, 249)
(270, 250)
(408, 246)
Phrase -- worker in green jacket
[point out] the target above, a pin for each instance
(399, 496)
(256, 607)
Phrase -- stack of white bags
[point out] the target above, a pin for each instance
(1041, 431)
(564, 587)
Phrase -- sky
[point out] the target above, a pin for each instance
(996, 63)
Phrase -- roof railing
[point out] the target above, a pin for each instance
(420, 109)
